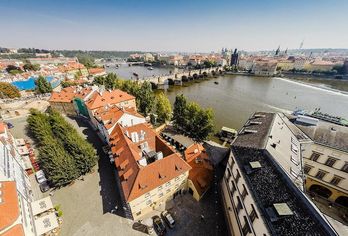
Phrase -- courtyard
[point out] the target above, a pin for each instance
(88, 202)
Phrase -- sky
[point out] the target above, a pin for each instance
(173, 25)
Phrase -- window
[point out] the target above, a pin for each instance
(138, 213)
(168, 184)
(237, 176)
(147, 195)
(336, 180)
(160, 194)
(345, 167)
(176, 179)
(168, 190)
(244, 193)
(232, 162)
(148, 202)
(160, 187)
(233, 187)
(253, 214)
(294, 160)
(314, 156)
(330, 161)
(239, 205)
(228, 173)
(320, 174)
(246, 227)
(307, 168)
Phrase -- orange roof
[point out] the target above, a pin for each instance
(110, 116)
(201, 173)
(68, 94)
(107, 98)
(96, 70)
(2, 127)
(137, 180)
(9, 207)
(16, 230)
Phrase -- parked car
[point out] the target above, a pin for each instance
(9, 125)
(158, 225)
(168, 219)
(40, 176)
(44, 187)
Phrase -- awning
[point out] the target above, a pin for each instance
(20, 142)
(41, 205)
(46, 223)
(229, 130)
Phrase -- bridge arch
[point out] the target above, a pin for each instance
(205, 74)
(184, 78)
(320, 190)
(342, 200)
(170, 81)
(195, 76)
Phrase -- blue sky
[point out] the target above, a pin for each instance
(173, 25)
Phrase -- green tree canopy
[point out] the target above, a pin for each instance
(179, 111)
(28, 67)
(8, 90)
(196, 122)
(163, 108)
(63, 154)
(146, 98)
(42, 85)
(86, 60)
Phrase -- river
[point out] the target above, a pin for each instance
(236, 97)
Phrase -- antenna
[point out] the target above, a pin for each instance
(301, 45)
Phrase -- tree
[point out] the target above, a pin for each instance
(57, 164)
(67, 83)
(12, 69)
(180, 105)
(163, 108)
(110, 81)
(28, 67)
(64, 155)
(8, 90)
(195, 121)
(42, 85)
(145, 99)
(86, 60)
(83, 154)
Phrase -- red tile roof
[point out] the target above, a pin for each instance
(9, 206)
(201, 173)
(3, 127)
(111, 115)
(69, 93)
(96, 70)
(16, 230)
(137, 180)
(107, 98)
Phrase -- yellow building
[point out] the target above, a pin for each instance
(326, 162)
(150, 173)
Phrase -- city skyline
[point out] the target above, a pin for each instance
(186, 26)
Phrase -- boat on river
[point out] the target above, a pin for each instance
(150, 68)
(227, 134)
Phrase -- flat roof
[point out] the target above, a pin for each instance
(255, 131)
(272, 188)
(326, 133)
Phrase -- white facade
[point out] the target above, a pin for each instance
(286, 143)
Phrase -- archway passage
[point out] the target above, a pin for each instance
(342, 200)
(205, 74)
(195, 76)
(320, 190)
(154, 85)
(184, 78)
(170, 81)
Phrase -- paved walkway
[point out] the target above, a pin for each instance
(87, 203)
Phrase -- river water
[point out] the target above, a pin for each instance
(236, 97)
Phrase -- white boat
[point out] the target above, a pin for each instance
(150, 68)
